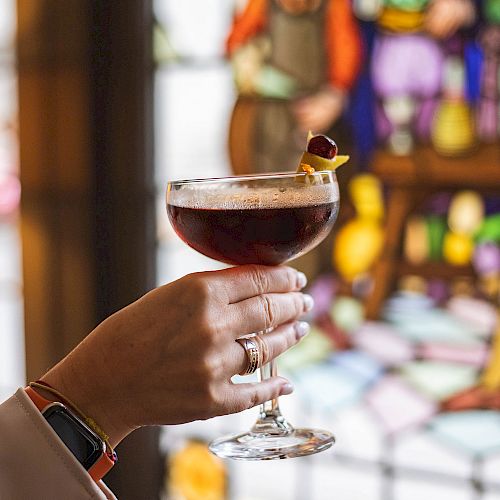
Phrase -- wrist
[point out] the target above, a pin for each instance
(88, 398)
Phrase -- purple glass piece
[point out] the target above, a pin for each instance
(383, 343)
(407, 65)
(425, 115)
(323, 291)
(486, 258)
(437, 290)
(492, 205)
(486, 121)
(439, 203)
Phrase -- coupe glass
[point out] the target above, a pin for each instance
(258, 219)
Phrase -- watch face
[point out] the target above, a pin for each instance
(86, 447)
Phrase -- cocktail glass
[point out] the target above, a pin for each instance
(258, 219)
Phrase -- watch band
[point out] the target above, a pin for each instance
(103, 464)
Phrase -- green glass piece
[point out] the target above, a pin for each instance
(436, 229)
(408, 5)
(492, 11)
(439, 380)
(490, 229)
(314, 347)
(271, 82)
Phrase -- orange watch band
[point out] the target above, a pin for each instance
(106, 461)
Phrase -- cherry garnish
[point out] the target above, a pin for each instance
(323, 146)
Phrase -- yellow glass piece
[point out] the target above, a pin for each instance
(357, 247)
(366, 195)
(319, 163)
(196, 474)
(401, 21)
(466, 212)
(416, 241)
(491, 376)
(452, 131)
(457, 248)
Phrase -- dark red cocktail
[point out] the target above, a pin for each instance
(253, 235)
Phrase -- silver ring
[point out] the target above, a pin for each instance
(252, 350)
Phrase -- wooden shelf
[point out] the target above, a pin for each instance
(429, 270)
(427, 168)
(409, 180)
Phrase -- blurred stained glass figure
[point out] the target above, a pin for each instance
(407, 62)
(294, 63)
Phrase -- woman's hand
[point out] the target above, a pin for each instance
(444, 17)
(168, 358)
(320, 111)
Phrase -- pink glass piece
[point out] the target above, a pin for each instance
(383, 343)
(399, 406)
(475, 355)
(480, 315)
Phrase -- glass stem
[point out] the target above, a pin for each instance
(270, 420)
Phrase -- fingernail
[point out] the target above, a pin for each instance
(286, 389)
(308, 302)
(302, 328)
(301, 280)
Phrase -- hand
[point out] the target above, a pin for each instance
(444, 17)
(319, 111)
(168, 358)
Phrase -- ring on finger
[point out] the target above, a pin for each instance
(252, 351)
(264, 349)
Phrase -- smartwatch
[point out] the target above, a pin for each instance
(87, 447)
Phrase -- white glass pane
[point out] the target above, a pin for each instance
(337, 481)
(491, 469)
(277, 480)
(192, 110)
(411, 489)
(422, 451)
(11, 344)
(196, 28)
(7, 29)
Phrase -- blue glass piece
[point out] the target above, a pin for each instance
(473, 432)
(328, 387)
(360, 364)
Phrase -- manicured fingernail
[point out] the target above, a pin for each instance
(308, 302)
(302, 328)
(301, 280)
(286, 389)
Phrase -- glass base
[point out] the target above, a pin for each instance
(271, 446)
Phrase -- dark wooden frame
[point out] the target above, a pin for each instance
(87, 211)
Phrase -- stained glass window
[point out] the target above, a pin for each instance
(382, 395)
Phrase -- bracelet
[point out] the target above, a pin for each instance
(40, 384)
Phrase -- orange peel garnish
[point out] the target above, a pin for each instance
(307, 168)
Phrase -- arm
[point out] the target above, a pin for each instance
(246, 25)
(34, 462)
(343, 47)
(167, 358)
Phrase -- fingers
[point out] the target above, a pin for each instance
(243, 282)
(245, 396)
(272, 345)
(267, 311)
